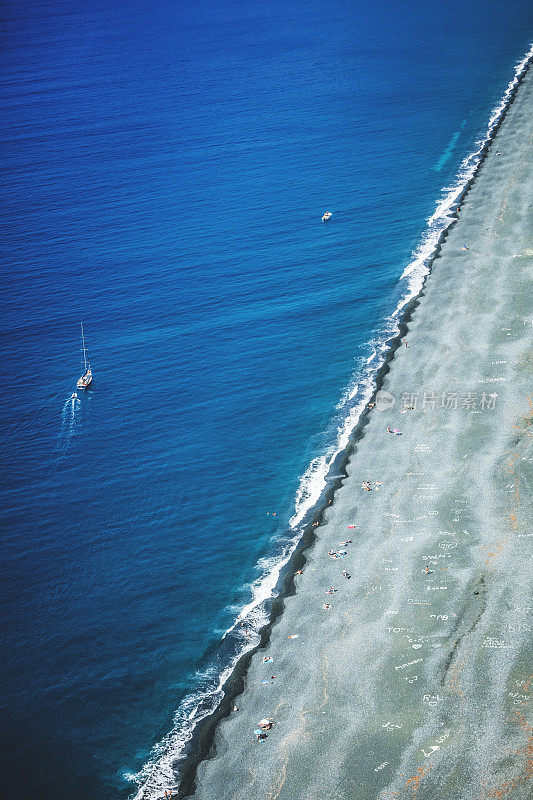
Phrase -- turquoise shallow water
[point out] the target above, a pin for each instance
(167, 168)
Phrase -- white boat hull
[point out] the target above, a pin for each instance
(85, 381)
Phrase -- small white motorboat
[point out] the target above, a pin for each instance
(327, 216)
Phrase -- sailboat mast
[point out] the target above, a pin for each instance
(84, 351)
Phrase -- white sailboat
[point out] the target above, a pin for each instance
(86, 379)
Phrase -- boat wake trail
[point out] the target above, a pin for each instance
(69, 421)
(161, 771)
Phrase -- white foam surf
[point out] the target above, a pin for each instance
(161, 772)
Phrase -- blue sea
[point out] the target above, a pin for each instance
(166, 166)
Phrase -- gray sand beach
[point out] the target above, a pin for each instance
(416, 681)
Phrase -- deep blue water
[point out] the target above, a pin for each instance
(165, 169)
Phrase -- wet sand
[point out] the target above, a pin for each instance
(417, 682)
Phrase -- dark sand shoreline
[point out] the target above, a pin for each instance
(236, 684)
